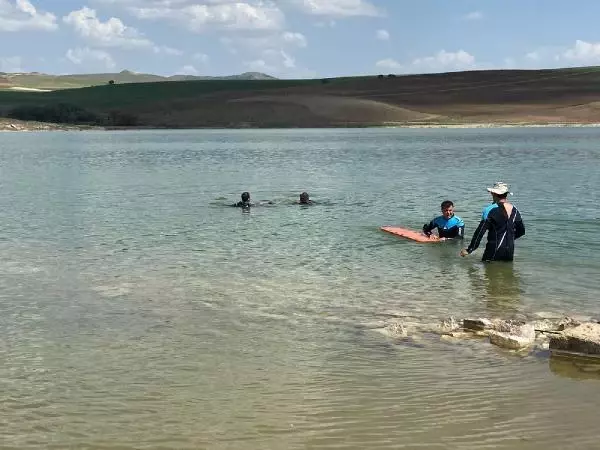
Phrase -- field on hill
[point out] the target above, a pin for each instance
(54, 82)
(501, 97)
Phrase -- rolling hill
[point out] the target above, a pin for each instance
(492, 96)
(42, 81)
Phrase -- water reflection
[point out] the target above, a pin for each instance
(577, 368)
(498, 284)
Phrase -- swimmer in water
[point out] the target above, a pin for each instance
(304, 199)
(503, 223)
(448, 225)
(245, 203)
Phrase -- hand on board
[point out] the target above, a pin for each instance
(464, 252)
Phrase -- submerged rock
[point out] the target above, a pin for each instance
(449, 325)
(581, 339)
(396, 329)
(545, 325)
(461, 335)
(575, 366)
(560, 334)
(477, 324)
(567, 322)
(517, 338)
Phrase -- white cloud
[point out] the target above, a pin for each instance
(220, 12)
(23, 16)
(339, 8)
(112, 33)
(329, 24)
(288, 61)
(388, 63)
(440, 62)
(87, 56)
(167, 50)
(444, 60)
(201, 57)
(254, 48)
(582, 52)
(294, 38)
(475, 15)
(383, 35)
(271, 53)
(188, 70)
(12, 64)
(260, 65)
(278, 63)
(273, 60)
(257, 15)
(264, 42)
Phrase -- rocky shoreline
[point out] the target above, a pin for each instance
(17, 125)
(567, 336)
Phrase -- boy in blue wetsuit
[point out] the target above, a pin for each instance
(448, 225)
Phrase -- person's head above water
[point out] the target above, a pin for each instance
(499, 191)
(304, 198)
(245, 197)
(447, 208)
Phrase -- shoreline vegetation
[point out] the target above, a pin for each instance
(472, 99)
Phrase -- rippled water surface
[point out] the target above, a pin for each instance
(138, 311)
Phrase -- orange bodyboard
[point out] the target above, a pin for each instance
(410, 234)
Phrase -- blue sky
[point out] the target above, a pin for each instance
(295, 38)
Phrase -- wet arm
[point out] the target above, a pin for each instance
(477, 236)
(519, 226)
(428, 227)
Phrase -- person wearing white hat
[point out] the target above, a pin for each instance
(503, 222)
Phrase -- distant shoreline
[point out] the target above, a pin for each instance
(20, 126)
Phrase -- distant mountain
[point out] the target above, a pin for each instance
(35, 80)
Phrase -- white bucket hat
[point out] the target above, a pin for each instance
(499, 188)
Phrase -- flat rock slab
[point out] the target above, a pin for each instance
(521, 337)
(582, 339)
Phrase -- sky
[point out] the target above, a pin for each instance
(295, 38)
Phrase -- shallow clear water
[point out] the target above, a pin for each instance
(137, 311)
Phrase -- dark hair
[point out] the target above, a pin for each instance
(446, 204)
(501, 205)
(245, 196)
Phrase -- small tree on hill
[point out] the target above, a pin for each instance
(111, 82)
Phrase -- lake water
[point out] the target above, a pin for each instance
(137, 311)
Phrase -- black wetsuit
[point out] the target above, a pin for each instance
(502, 232)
